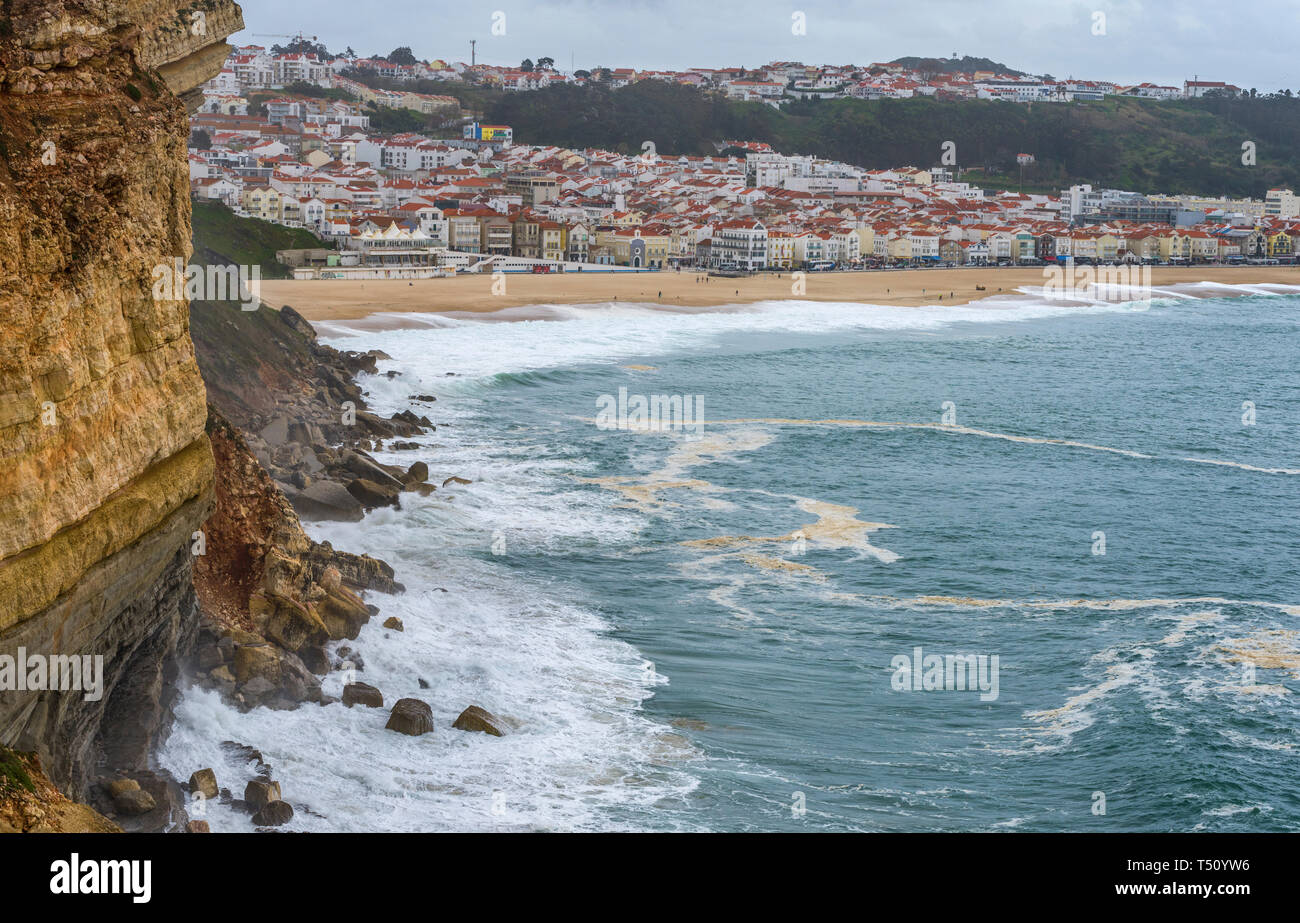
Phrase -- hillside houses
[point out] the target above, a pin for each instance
(386, 198)
(252, 67)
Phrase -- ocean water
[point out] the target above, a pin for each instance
(700, 629)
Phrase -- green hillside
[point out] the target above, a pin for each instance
(1191, 146)
(963, 65)
(221, 237)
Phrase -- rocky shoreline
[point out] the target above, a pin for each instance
(291, 436)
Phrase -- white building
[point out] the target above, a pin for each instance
(741, 244)
(771, 169)
(1281, 203)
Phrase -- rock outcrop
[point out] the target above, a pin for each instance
(105, 468)
(273, 814)
(300, 411)
(272, 598)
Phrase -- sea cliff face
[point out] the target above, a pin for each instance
(105, 468)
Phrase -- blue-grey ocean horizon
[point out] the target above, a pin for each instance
(1085, 509)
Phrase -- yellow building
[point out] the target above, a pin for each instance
(1144, 246)
(780, 249)
(1108, 247)
(554, 240)
(866, 239)
(262, 202)
(625, 219)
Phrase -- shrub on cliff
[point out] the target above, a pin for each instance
(12, 772)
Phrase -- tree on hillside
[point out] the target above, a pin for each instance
(929, 68)
(545, 64)
(402, 55)
(303, 46)
(526, 64)
(200, 140)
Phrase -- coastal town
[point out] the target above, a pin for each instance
(416, 205)
(255, 67)
(514, 444)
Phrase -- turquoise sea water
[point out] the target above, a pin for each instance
(695, 631)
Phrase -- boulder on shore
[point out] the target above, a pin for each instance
(411, 716)
(324, 499)
(261, 792)
(371, 494)
(362, 694)
(133, 802)
(363, 466)
(394, 623)
(274, 814)
(205, 781)
(480, 719)
(418, 473)
(121, 786)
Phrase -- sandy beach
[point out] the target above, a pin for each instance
(331, 300)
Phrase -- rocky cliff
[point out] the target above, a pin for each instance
(105, 468)
(272, 598)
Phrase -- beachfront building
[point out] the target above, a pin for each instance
(780, 250)
(740, 244)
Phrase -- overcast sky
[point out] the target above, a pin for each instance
(1250, 44)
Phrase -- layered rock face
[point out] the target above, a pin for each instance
(105, 468)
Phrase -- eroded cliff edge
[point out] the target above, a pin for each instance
(105, 469)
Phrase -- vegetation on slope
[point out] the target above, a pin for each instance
(963, 65)
(1185, 146)
(13, 774)
(223, 238)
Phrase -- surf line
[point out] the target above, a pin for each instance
(1103, 605)
(988, 434)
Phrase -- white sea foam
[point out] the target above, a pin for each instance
(584, 755)
(573, 334)
(548, 336)
(581, 749)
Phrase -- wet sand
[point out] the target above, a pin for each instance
(332, 300)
